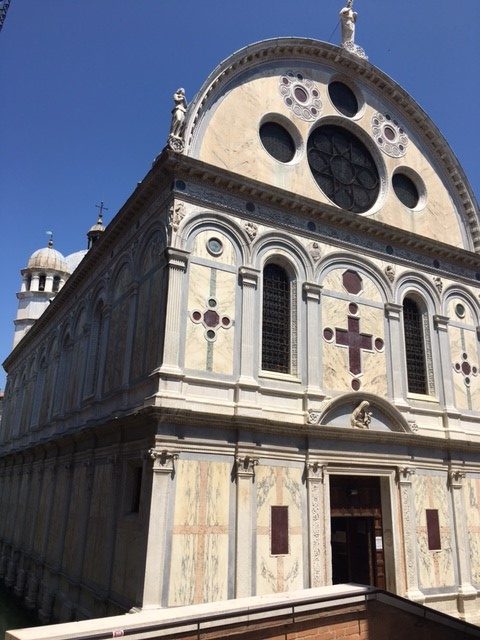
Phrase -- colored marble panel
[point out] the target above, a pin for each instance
(199, 558)
(472, 503)
(279, 486)
(435, 565)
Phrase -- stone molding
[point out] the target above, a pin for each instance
(441, 322)
(393, 311)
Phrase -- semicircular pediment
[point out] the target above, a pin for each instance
(363, 411)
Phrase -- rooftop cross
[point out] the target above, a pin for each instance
(101, 208)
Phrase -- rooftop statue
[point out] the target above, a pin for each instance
(175, 139)
(348, 19)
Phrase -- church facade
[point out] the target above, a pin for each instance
(264, 376)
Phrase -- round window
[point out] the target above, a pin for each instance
(343, 98)
(215, 246)
(460, 310)
(277, 141)
(343, 168)
(405, 190)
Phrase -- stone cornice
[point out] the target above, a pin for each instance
(302, 207)
(315, 50)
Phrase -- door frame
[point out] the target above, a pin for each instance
(391, 525)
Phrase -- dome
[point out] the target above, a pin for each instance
(74, 259)
(48, 258)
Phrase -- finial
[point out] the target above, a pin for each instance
(177, 126)
(50, 239)
(101, 208)
(348, 18)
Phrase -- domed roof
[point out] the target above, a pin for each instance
(48, 258)
(74, 259)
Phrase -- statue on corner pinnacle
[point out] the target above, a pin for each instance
(348, 19)
(177, 127)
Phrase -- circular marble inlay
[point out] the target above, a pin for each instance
(389, 135)
(301, 96)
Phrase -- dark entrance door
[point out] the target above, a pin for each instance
(356, 530)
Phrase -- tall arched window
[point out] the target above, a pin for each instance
(414, 347)
(276, 329)
(41, 282)
(56, 283)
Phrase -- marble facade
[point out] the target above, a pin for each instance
(144, 445)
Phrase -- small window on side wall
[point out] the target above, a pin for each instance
(414, 347)
(136, 488)
(276, 330)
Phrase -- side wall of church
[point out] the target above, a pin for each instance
(73, 544)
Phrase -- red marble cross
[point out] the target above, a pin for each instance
(355, 341)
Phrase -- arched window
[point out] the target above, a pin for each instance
(415, 340)
(276, 329)
(56, 283)
(28, 283)
(41, 282)
(93, 364)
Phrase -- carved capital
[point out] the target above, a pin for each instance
(440, 322)
(176, 214)
(312, 291)
(456, 478)
(245, 466)
(404, 475)
(177, 259)
(393, 311)
(315, 471)
(163, 461)
(249, 277)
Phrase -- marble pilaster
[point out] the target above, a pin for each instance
(394, 313)
(245, 474)
(249, 282)
(446, 383)
(163, 473)
(312, 294)
(177, 261)
(318, 509)
(404, 479)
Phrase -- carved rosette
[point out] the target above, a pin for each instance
(389, 135)
(301, 96)
(315, 251)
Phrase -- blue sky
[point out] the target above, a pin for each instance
(86, 90)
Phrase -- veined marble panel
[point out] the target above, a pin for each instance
(201, 354)
(199, 564)
(333, 282)
(200, 248)
(472, 500)
(436, 568)
(279, 486)
(466, 381)
(336, 374)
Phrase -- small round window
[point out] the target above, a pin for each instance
(460, 310)
(343, 98)
(405, 190)
(277, 141)
(215, 246)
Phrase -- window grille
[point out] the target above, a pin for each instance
(276, 320)
(343, 168)
(414, 347)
